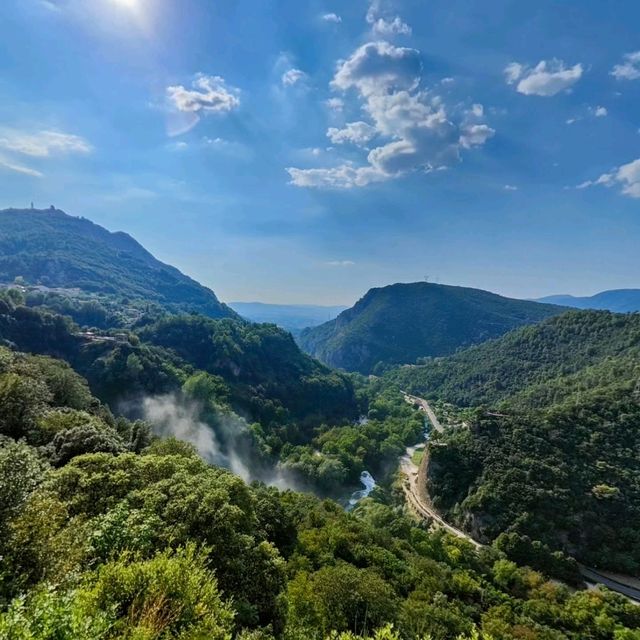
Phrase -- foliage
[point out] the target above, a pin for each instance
(138, 538)
(171, 595)
(266, 374)
(556, 459)
(403, 322)
(338, 455)
(56, 251)
(127, 546)
(567, 476)
(536, 365)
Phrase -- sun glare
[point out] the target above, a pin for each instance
(137, 10)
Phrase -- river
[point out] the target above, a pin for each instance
(368, 481)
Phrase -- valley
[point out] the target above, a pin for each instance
(414, 485)
(332, 331)
(145, 430)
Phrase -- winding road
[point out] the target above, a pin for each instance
(423, 405)
(415, 490)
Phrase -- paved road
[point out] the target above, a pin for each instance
(595, 577)
(418, 500)
(424, 406)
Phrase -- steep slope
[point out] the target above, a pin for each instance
(580, 348)
(402, 322)
(51, 248)
(617, 300)
(556, 459)
(259, 369)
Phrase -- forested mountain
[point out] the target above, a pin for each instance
(617, 300)
(402, 322)
(567, 352)
(292, 317)
(258, 369)
(50, 248)
(110, 533)
(551, 454)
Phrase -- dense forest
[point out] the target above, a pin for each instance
(552, 451)
(403, 322)
(110, 532)
(565, 351)
(266, 402)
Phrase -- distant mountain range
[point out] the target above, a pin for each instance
(618, 300)
(402, 322)
(50, 248)
(292, 317)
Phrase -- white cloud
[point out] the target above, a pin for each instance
(376, 7)
(335, 104)
(214, 142)
(510, 187)
(547, 78)
(19, 168)
(340, 263)
(379, 68)
(332, 17)
(209, 94)
(389, 28)
(292, 77)
(626, 177)
(418, 132)
(345, 176)
(356, 132)
(513, 71)
(476, 135)
(383, 22)
(477, 110)
(629, 69)
(42, 144)
(589, 112)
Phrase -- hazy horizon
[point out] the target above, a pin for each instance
(215, 286)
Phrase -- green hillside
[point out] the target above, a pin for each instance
(107, 532)
(257, 369)
(551, 454)
(53, 249)
(576, 347)
(402, 322)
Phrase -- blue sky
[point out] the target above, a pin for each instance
(292, 151)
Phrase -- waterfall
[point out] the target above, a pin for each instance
(369, 483)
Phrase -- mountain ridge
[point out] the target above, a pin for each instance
(401, 322)
(616, 300)
(51, 248)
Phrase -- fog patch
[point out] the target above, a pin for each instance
(223, 440)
